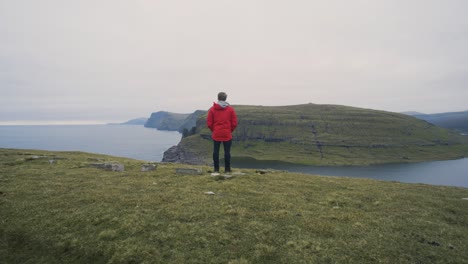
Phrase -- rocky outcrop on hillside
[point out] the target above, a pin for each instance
(179, 154)
(191, 120)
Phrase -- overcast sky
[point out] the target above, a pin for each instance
(111, 60)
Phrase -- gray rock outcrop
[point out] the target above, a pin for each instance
(108, 166)
(148, 167)
(179, 154)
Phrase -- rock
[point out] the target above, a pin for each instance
(35, 157)
(434, 243)
(52, 161)
(466, 199)
(223, 177)
(108, 166)
(148, 167)
(180, 154)
(188, 171)
(210, 193)
(263, 171)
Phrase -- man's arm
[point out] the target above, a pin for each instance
(209, 120)
(233, 120)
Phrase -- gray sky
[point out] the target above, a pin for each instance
(113, 60)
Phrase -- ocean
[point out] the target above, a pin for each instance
(130, 141)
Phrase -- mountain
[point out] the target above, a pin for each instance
(325, 135)
(452, 120)
(191, 120)
(412, 113)
(163, 120)
(136, 121)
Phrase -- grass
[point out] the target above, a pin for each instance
(70, 213)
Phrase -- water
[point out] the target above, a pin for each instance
(449, 172)
(149, 144)
(129, 141)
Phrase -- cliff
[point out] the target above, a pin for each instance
(325, 135)
(163, 120)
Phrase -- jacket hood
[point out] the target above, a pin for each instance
(221, 105)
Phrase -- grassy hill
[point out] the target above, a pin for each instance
(329, 135)
(68, 212)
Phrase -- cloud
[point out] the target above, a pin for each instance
(129, 58)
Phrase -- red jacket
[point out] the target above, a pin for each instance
(222, 122)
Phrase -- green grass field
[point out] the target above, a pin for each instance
(68, 212)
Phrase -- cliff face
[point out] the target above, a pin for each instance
(191, 120)
(327, 135)
(173, 121)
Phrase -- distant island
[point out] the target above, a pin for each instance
(453, 120)
(312, 134)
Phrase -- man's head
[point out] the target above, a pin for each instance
(222, 96)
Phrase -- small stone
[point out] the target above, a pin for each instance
(434, 243)
(52, 161)
(210, 193)
(466, 199)
(220, 177)
(148, 167)
(108, 166)
(35, 157)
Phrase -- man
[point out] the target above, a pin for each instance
(222, 120)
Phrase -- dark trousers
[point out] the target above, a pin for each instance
(227, 154)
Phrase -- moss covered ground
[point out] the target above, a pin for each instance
(68, 212)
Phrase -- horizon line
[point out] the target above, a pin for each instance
(54, 122)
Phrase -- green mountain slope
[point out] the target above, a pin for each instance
(326, 135)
